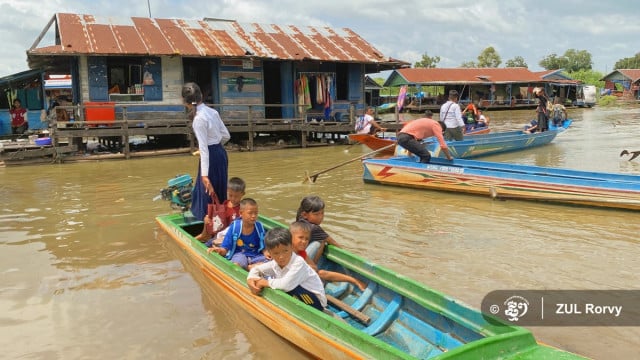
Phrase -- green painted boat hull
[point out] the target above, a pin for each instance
(408, 319)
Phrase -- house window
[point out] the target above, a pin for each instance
(124, 74)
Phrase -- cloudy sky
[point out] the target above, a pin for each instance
(455, 30)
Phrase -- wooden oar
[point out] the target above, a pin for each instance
(493, 192)
(360, 316)
(314, 176)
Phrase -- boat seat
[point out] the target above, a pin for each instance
(386, 317)
(336, 289)
(362, 300)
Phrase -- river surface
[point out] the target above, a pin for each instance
(86, 273)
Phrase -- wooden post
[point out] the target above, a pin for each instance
(304, 134)
(250, 140)
(125, 136)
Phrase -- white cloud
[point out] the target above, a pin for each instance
(455, 30)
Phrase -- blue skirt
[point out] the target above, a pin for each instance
(218, 172)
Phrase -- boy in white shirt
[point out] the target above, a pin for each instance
(287, 272)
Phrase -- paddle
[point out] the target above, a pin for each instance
(314, 176)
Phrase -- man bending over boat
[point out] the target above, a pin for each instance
(412, 134)
(287, 272)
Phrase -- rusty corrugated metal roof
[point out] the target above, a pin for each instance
(631, 74)
(468, 75)
(93, 35)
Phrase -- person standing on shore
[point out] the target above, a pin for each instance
(211, 134)
(451, 116)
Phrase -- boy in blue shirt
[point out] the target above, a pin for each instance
(244, 242)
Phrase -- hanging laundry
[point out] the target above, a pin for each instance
(299, 85)
(307, 95)
(320, 89)
(328, 92)
(401, 97)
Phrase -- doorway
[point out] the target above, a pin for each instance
(200, 72)
(272, 90)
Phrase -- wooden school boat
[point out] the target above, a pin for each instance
(374, 142)
(508, 181)
(394, 318)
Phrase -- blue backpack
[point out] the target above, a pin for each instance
(236, 230)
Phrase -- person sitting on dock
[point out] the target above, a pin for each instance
(18, 115)
(287, 272)
(411, 135)
(366, 124)
(300, 236)
(451, 116)
(244, 242)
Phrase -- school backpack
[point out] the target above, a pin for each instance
(236, 231)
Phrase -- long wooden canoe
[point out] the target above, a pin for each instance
(508, 181)
(394, 318)
(494, 143)
(375, 142)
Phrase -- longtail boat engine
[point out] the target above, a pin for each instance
(178, 192)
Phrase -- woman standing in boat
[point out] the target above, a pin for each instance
(211, 134)
(543, 113)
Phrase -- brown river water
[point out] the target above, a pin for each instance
(85, 272)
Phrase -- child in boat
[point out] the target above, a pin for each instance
(470, 116)
(531, 127)
(300, 235)
(483, 121)
(311, 210)
(235, 191)
(287, 272)
(244, 242)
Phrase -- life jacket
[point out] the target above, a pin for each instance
(470, 118)
(236, 231)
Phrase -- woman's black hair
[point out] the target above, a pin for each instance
(311, 203)
(192, 94)
(276, 237)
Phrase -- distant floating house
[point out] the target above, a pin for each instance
(490, 87)
(628, 79)
(242, 67)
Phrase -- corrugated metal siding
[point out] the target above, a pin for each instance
(90, 35)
